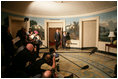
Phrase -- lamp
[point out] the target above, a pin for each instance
(111, 35)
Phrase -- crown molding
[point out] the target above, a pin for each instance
(69, 16)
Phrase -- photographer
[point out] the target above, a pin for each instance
(52, 53)
(35, 69)
(37, 41)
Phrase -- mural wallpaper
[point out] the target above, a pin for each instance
(73, 30)
(72, 27)
(108, 22)
(35, 26)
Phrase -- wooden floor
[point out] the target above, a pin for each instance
(72, 60)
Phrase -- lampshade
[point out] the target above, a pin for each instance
(111, 34)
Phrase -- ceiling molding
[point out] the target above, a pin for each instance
(88, 14)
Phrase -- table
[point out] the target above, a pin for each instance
(110, 45)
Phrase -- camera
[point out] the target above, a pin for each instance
(57, 61)
(54, 54)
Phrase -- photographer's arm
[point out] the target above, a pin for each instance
(54, 64)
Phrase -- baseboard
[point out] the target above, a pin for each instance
(84, 48)
(73, 48)
(108, 53)
(44, 48)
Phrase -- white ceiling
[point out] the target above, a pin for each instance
(56, 8)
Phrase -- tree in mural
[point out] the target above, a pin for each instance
(32, 22)
(104, 30)
(34, 26)
(73, 30)
(76, 28)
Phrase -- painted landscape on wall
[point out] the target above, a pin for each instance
(35, 26)
(107, 23)
(73, 30)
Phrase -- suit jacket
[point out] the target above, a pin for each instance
(57, 36)
(63, 39)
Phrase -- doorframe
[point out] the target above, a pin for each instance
(18, 19)
(81, 29)
(47, 29)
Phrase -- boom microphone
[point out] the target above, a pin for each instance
(93, 51)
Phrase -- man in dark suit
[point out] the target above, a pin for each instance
(57, 38)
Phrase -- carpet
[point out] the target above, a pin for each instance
(95, 70)
(100, 65)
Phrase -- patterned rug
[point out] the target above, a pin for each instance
(95, 70)
(73, 60)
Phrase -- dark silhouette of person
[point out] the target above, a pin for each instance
(7, 47)
(115, 71)
(30, 30)
(22, 34)
(37, 42)
(68, 39)
(57, 38)
(68, 36)
(18, 67)
(24, 56)
(35, 68)
(64, 38)
(6, 40)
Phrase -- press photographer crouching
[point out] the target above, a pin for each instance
(52, 52)
(38, 68)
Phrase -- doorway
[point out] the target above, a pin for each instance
(51, 26)
(51, 37)
(89, 33)
(16, 23)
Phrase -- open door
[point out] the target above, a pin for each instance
(51, 37)
(51, 26)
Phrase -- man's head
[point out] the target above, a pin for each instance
(64, 32)
(30, 29)
(57, 30)
(30, 47)
(47, 74)
(48, 58)
(51, 50)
